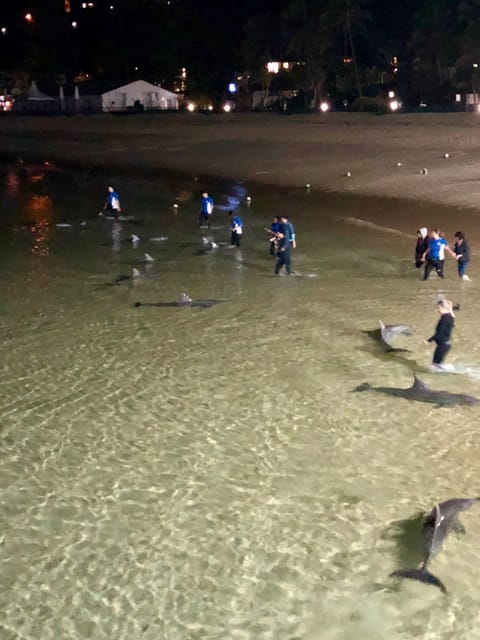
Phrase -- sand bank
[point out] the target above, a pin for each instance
(424, 157)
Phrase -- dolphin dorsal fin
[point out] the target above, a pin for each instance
(418, 384)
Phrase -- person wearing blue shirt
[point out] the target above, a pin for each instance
(289, 229)
(435, 254)
(206, 209)
(236, 226)
(113, 201)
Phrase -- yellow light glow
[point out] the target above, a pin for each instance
(191, 107)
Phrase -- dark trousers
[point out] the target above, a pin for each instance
(235, 238)
(433, 264)
(440, 352)
(283, 259)
(204, 217)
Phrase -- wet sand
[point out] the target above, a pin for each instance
(348, 153)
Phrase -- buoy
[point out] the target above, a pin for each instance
(175, 206)
(249, 200)
(307, 186)
(399, 164)
(349, 173)
(424, 171)
(446, 155)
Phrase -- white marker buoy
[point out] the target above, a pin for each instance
(249, 200)
(424, 171)
(399, 164)
(446, 155)
(307, 186)
(348, 174)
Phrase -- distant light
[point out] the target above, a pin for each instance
(112, 7)
(391, 94)
(210, 107)
(458, 97)
(28, 17)
(475, 65)
(324, 107)
(227, 107)
(4, 30)
(191, 107)
(394, 105)
(74, 24)
(136, 68)
(273, 67)
(232, 87)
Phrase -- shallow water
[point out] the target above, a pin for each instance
(191, 473)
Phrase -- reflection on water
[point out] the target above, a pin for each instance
(206, 471)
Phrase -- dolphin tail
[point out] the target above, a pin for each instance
(420, 574)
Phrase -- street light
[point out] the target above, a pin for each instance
(474, 84)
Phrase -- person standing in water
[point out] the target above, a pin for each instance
(236, 227)
(275, 227)
(462, 253)
(442, 334)
(421, 246)
(206, 210)
(113, 202)
(435, 254)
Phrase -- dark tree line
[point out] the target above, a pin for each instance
(428, 49)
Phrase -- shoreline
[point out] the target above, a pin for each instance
(384, 155)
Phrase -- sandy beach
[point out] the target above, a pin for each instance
(422, 157)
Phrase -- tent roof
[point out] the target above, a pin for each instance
(142, 85)
(34, 93)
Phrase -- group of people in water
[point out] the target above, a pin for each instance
(281, 233)
(430, 252)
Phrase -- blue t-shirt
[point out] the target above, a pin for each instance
(436, 248)
(207, 205)
(236, 224)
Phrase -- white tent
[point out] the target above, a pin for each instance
(34, 93)
(139, 94)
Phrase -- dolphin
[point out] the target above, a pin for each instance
(184, 301)
(388, 333)
(124, 278)
(442, 519)
(422, 393)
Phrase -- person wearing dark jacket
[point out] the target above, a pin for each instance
(421, 246)
(284, 252)
(443, 331)
(462, 253)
